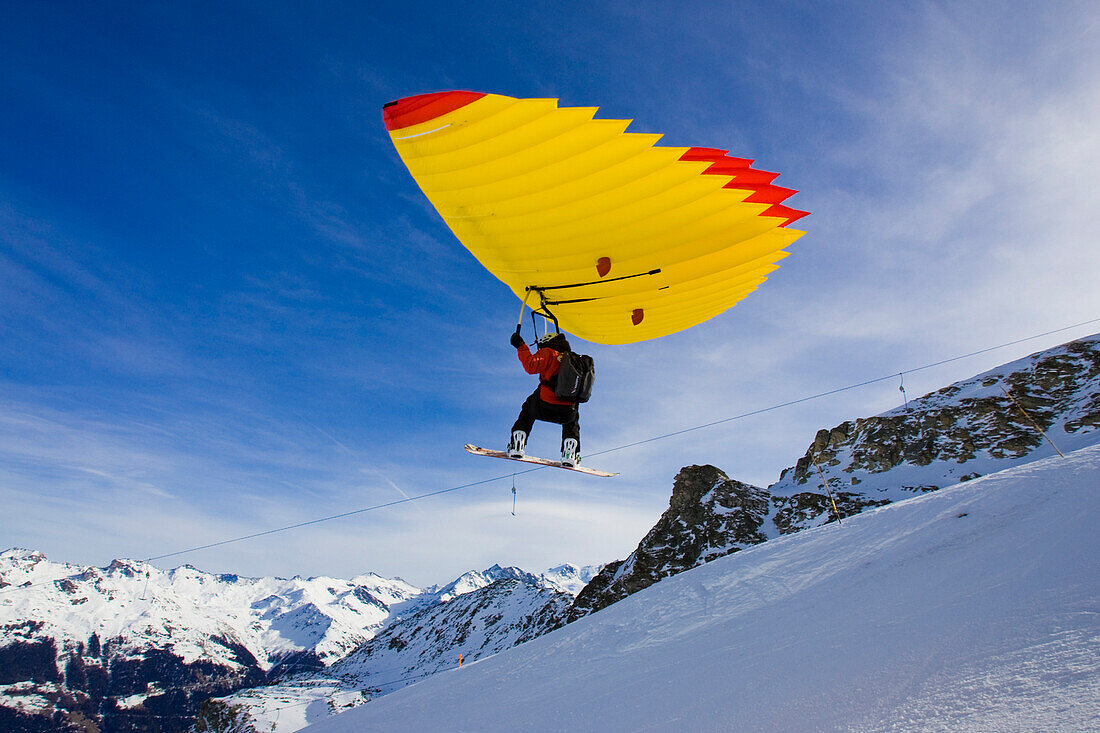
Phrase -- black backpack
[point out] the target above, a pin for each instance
(573, 382)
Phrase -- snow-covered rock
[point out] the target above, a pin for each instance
(969, 429)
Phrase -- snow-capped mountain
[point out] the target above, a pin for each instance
(569, 578)
(272, 618)
(476, 579)
(971, 428)
(132, 642)
(922, 615)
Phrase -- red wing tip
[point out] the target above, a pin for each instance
(791, 215)
(409, 111)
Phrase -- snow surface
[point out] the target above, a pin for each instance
(974, 608)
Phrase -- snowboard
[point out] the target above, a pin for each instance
(478, 451)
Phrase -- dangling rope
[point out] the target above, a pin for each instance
(513, 495)
(902, 389)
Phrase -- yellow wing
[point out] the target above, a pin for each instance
(625, 241)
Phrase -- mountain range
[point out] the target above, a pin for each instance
(131, 646)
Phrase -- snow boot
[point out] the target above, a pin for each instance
(518, 444)
(569, 452)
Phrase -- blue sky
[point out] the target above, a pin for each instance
(225, 306)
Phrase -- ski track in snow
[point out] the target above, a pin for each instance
(975, 608)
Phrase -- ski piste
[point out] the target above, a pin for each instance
(479, 451)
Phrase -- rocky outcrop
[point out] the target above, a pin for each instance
(798, 511)
(709, 515)
(971, 428)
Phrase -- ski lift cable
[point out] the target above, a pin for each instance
(331, 517)
(837, 390)
(396, 502)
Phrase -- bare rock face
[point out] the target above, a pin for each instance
(709, 515)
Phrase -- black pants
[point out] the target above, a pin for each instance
(568, 416)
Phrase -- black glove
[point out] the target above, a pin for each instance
(517, 340)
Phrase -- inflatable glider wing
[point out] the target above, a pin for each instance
(624, 240)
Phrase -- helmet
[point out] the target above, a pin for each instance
(555, 341)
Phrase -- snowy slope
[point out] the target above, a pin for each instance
(478, 614)
(974, 608)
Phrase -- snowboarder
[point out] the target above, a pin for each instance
(544, 404)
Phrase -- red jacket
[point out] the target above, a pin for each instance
(545, 362)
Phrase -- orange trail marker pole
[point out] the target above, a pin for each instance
(829, 491)
(1032, 420)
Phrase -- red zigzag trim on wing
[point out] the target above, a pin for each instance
(744, 177)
